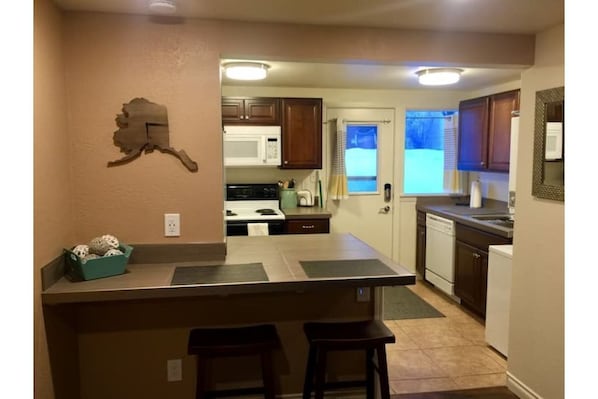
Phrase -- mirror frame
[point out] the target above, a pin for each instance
(539, 189)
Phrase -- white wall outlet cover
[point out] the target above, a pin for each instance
(172, 224)
(174, 370)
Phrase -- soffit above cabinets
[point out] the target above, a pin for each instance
(492, 16)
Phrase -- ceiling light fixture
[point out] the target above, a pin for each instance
(439, 76)
(246, 70)
(163, 7)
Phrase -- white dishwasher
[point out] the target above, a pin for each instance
(440, 253)
(499, 297)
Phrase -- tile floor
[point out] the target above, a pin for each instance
(442, 354)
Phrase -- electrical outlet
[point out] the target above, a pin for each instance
(172, 224)
(174, 370)
(363, 294)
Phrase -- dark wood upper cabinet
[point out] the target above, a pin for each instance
(250, 110)
(499, 129)
(301, 133)
(473, 139)
(485, 131)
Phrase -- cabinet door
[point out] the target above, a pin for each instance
(473, 137)
(301, 133)
(471, 268)
(499, 129)
(264, 111)
(251, 110)
(233, 110)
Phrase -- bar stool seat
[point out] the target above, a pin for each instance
(208, 343)
(370, 336)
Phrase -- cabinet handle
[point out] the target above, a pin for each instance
(286, 162)
(311, 226)
(482, 163)
(476, 256)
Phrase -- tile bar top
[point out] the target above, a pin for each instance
(280, 257)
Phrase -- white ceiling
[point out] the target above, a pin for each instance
(490, 16)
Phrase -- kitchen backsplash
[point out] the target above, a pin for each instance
(305, 179)
(494, 185)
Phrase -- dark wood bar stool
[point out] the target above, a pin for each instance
(370, 336)
(209, 343)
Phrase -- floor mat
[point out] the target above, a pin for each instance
(345, 268)
(217, 274)
(401, 303)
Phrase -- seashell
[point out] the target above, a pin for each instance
(111, 240)
(81, 250)
(99, 246)
(113, 252)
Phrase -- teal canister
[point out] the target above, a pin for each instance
(288, 198)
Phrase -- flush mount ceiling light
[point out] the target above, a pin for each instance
(246, 70)
(164, 7)
(439, 76)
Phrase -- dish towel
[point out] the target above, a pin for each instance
(257, 229)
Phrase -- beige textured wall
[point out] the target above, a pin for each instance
(53, 210)
(536, 336)
(110, 60)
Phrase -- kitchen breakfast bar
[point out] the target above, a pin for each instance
(112, 337)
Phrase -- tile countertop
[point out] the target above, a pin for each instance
(280, 255)
(306, 212)
(462, 214)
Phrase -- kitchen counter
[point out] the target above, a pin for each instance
(463, 214)
(306, 212)
(279, 255)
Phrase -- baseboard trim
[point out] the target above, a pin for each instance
(519, 388)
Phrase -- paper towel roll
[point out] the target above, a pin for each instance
(475, 195)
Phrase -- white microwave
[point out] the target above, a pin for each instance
(252, 146)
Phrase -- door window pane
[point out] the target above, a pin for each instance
(361, 158)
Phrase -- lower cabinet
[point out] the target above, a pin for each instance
(471, 266)
(307, 226)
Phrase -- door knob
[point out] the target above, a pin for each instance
(386, 209)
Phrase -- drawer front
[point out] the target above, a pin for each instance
(478, 238)
(308, 226)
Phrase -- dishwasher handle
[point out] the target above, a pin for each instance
(439, 223)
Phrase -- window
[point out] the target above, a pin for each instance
(430, 150)
(361, 158)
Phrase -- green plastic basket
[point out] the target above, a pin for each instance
(97, 268)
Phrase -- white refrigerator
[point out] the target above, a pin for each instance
(499, 297)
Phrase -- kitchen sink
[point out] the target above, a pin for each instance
(498, 220)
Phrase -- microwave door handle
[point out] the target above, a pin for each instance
(264, 148)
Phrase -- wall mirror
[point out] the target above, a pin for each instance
(549, 145)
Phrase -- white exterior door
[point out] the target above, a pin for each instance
(366, 214)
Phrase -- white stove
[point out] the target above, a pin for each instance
(253, 211)
(252, 203)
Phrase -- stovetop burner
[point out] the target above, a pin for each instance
(266, 211)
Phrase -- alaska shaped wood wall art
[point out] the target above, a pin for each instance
(143, 126)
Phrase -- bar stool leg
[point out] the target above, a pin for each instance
(200, 387)
(369, 373)
(309, 372)
(267, 375)
(320, 373)
(383, 372)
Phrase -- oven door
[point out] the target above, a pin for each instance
(239, 227)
